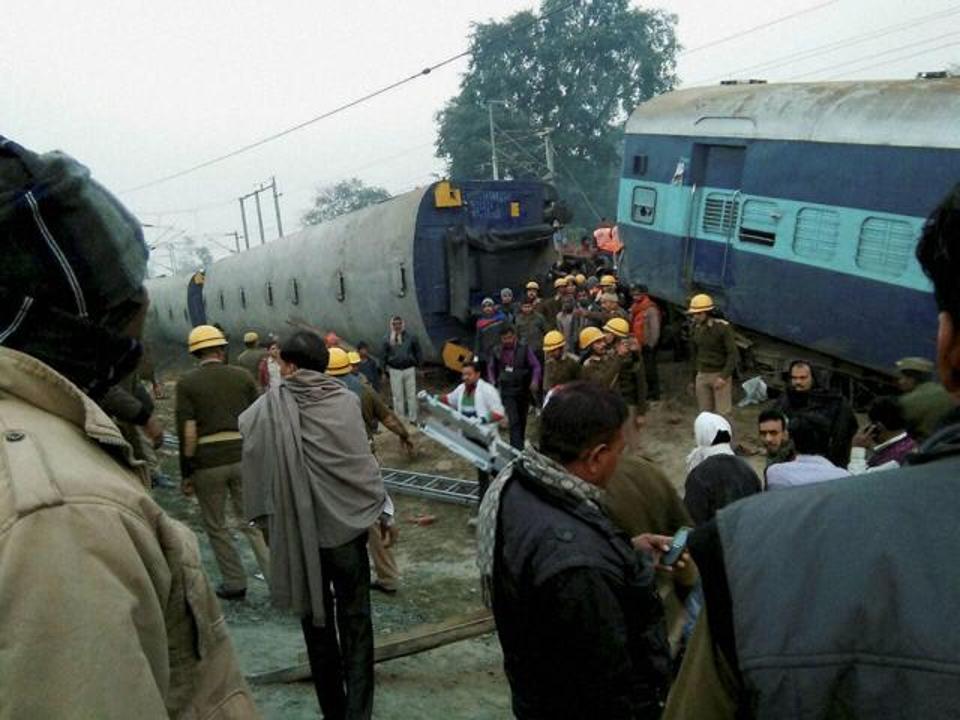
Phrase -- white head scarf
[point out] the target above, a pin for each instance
(705, 429)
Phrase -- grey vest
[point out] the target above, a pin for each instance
(846, 596)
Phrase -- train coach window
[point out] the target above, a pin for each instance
(885, 246)
(644, 205)
(223, 302)
(294, 292)
(639, 164)
(341, 286)
(817, 234)
(243, 298)
(269, 294)
(720, 211)
(759, 222)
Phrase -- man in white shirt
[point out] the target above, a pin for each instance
(811, 437)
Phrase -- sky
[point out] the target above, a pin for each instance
(140, 90)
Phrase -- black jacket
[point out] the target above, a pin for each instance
(577, 613)
(715, 483)
(831, 407)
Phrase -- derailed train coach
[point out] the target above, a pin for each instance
(797, 206)
(427, 255)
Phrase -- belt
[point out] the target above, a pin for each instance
(218, 437)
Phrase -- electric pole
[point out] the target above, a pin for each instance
(548, 151)
(263, 187)
(276, 205)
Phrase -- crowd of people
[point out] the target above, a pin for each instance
(817, 588)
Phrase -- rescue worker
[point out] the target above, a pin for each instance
(209, 401)
(560, 366)
(609, 307)
(599, 365)
(551, 306)
(532, 289)
(252, 356)
(864, 644)
(645, 326)
(488, 329)
(380, 539)
(607, 238)
(531, 327)
(924, 401)
(631, 380)
(507, 306)
(714, 359)
(104, 608)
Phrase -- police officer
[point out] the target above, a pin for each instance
(209, 401)
(252, 355)
(715, 356)
(104, 609)
(560, 366)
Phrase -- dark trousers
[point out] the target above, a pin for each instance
(650, 370)
(343, 670)
(516, 407)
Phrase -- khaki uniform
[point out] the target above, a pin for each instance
(250, 360)
(213, 396)
(374, 410)
(715, 356)
(602, 369)
(557, 372)
(104, 608)
(924, 407)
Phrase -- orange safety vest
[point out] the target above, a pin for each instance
(638, 317)
(608, 239)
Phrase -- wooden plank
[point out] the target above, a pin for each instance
(417, 640)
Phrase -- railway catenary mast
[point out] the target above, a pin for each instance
(427, 255)
(797, 206)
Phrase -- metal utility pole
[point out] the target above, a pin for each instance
(243, 214)
(493, 141)
(548, 151)
(276, 205)
(256, 198)
(236, 237)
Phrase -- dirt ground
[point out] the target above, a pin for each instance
(440, 580)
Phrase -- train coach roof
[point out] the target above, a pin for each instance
(909, 113)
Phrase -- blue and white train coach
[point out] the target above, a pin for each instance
(797, 206)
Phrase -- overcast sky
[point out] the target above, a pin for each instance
(139, 90)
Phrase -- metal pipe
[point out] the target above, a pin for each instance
(246, 234)
(276, 205)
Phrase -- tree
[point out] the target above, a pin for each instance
(578, 73)
(344, 197)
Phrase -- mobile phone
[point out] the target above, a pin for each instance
(677, 546)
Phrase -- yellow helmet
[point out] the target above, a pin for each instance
(560, 282)
(354, 357)
(250, 337)
(532, 285)
(589, 335)
(205, 336)
(553, 340)
(700, 304)
(618, 326)
(608, 280)
(580, 279)
(339, 363)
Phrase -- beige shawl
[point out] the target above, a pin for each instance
(308, 467)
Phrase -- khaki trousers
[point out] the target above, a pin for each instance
(711, 400)
(384, 563)
(214, 486)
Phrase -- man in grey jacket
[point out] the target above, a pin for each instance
(402, 357)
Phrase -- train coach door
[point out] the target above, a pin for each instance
(717, 174)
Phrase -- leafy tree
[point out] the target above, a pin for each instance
(577, 74)
(344, 197)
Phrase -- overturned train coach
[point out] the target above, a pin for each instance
(798, 206)
(427, 255)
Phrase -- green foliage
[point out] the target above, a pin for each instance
(344, 197)
(577, 74)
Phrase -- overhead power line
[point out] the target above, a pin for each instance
(762, 26)
(830, 47)
(871, 56)
(341, 108)
(897, 59)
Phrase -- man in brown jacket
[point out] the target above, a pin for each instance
(104, 608)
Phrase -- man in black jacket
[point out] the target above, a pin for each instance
(829, 600)
(577, 613)
(401, 357)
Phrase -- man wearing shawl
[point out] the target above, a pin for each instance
(578, 616)
(308, 468)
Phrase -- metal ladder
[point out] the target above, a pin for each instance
(434, 487)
